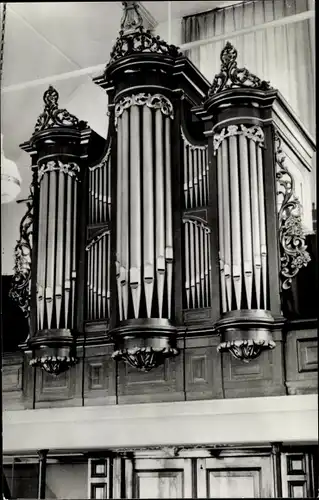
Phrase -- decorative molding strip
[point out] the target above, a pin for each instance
(255, 133)
(104, 160)
(96, 239)
(155, 101)
(294, 255)
(20, 290)
(53, 117)
(71, 169)
(190, 145)
(231, 76)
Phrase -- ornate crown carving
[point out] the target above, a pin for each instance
(53, 117)
(231, 76)
(133, 37)
(294, 255)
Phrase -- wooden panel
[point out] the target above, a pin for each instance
(12, 381)
(297, 475)
(307, 355)
(302, 361)
(263, 376)
(159, 484)
(234, 477)
(164, 383)
(12, 377)
(234, 483)
(203, 376)
(160, 478)
(99, 376)
(62, 390)
(99, 482)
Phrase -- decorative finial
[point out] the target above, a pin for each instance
(232, 77)
(132, 19)
(52, 116)
(134, 38)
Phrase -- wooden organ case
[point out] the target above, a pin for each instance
(160, 259)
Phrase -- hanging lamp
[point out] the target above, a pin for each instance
(10, 175)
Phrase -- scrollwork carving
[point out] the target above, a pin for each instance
(294, 253)
(254, 133)
(230, 76)
(53, 117)
(71, 169)
(155, 101)
(145, 358)
(133, 38)
(20, 289)
(246, 350)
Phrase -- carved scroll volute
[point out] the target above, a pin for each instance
(59, 145)
(20, 290)
(234, 114)
(294, 255)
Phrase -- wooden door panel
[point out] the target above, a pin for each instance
(159, 484)
(230, 483)
(161, 478)
(234, 477)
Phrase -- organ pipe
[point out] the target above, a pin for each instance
(135, 212)
(148, 210)
(242, 230)
(144, 212)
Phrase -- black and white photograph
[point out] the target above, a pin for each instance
(159, 265)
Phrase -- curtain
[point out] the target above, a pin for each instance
(282, 55)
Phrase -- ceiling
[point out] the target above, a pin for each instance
(45, 39)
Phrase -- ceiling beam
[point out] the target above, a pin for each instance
(98, 69)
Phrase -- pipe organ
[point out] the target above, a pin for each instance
(98, 245)
(170, 225)
(58, 147)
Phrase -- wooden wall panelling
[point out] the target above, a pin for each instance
(297, 475)
(62, 390)
(158, 478)
(29, 379)
(100, 478)
(12, 381)
(302, 360)
(234, 477)
(203, 369)
(99, 375)
(263, 376)
(164, 383)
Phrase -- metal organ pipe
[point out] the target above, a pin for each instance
(255, 220)
(135, 211)
(125, 212)
(57, 244)
(144, 218)
(160, 210)
(148, 210)
(241, 207)
(246, 218)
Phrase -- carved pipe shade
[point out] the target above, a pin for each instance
(10, 178)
